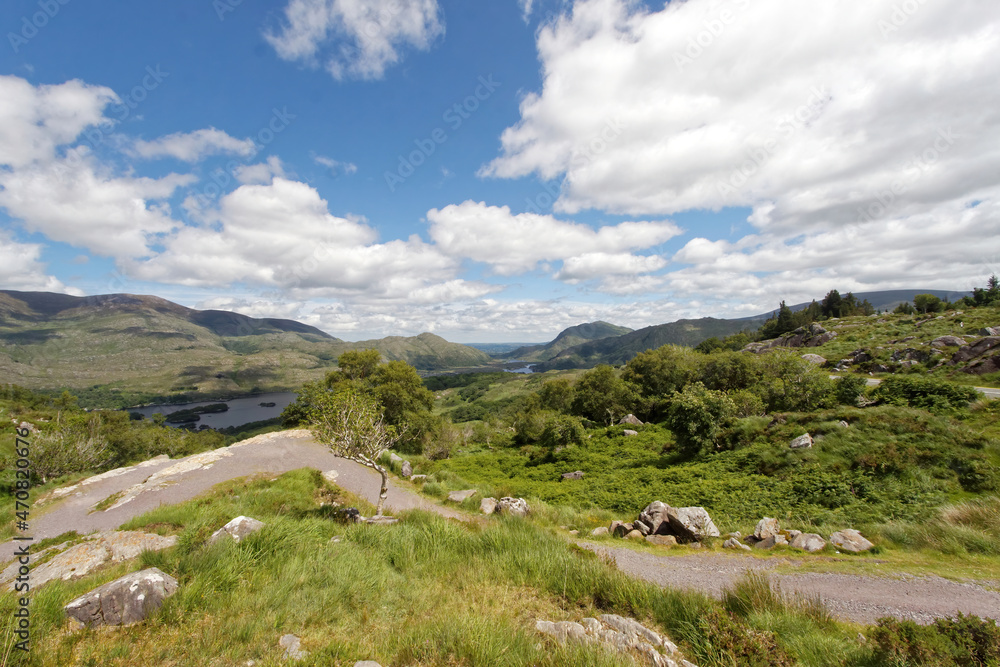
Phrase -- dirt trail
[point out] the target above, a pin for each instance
(161, 481)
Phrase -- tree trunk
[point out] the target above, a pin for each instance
(385, 490)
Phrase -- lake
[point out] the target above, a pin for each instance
(241, 410)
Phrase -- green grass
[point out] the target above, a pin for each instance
(426, 591)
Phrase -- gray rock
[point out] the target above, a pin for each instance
(460, 496)
(850, 540)
(662, 540)
(990, 331)
(81, 559)
(573, 475)
(488, 505)
(801, 442)
(630, 432)
(810, 542)
(655, 516)
(395, 458)
(635, 535)
(292, 645)
(620, 528)
(123, 601)
(382, 520)
(734, 543)
(631, 419)
(948, 341)
(237, 529)
(691, 523)
(418, 478)
(642, 527)
(766, 528)
(843, 424)
(597, 532)
(771, 542)
(792, 534)
(514, 506)
(814, 359)
(406, 470)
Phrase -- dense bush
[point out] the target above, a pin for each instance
(927, 393)
(966, 640)
(696, 417)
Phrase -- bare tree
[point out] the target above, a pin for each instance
(352, 424)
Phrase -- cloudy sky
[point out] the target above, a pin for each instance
(498, 171)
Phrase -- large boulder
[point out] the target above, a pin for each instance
(631, 420)
(691, 524)
(810, 542)
(513, 506)
(814, 359)
(237, 529)
(850, 540)
(977, 349)
(656, 518)
(123, 601)
(989, 331)
(406, 470)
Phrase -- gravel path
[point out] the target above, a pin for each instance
(862, 599)
(162, 481)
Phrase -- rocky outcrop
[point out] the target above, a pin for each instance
(123, 601)
(686, 524)
(977, 349)
(948, 341)
(989, 331)
(237, 529)
(850, 540)
(83, 558)
(631, 420)
(618, 634)
(488, 505)
(812, 336)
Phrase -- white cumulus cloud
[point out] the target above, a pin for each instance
(355, 38)
(194, 146)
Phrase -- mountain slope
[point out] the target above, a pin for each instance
(576, 335)
(148, 344)
(620, 349)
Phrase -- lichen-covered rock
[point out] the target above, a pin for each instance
(514, 506)
(655, 516)
(617, 634)
(123, 601)
(237, 529)
(850, 540)
(766, 528)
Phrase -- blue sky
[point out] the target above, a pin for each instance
(497, 171)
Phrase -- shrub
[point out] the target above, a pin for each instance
(849, 389)
(696, 417)
(926, 393)
(964, 640)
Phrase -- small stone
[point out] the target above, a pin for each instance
(237, 529)
(771, 542)
(291, 644)
(809, 542)
(513, 506)
(766, 527)
(597, 532)
(573, 475)
(406, 470)
(635, 535)
(734, 543)
(418, 478)
(630, 432)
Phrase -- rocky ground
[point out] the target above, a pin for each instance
(129, 492)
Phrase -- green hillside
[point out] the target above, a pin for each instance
(144, 344)
(568, 338)
(619, 349)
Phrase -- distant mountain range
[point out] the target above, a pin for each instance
(606, 347)
(149, 344)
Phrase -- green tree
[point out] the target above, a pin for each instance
(696, 417)
(352, 424)
(927, 303)
(833, 304)
(557, 395)
(602, 396)
(358, 364)
(662, 371)
(792, 383)
(728, 371)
